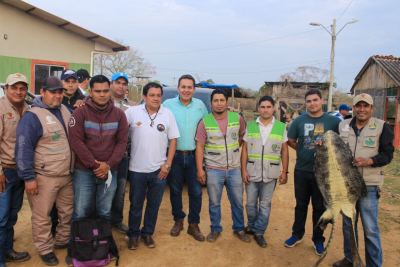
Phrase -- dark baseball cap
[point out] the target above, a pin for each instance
(68, 73)
(52, 83)
(83, 74)
(345, 107)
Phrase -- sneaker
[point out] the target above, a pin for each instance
(121, 228)
(292, 241)
(49, 259)
(319, 248)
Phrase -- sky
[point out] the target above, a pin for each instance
(241, 42)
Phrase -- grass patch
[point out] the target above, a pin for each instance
(394, 167)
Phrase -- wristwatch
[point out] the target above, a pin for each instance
(168, 167)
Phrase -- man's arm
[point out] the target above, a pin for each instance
(293, 134)
(386, 148)
(201, 175)
(121, 141)
(3, 178)
(171, 153)
(243, 163)
(285, 163)
(292, 143)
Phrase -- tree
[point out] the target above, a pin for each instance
(306, 74)
(131, 62)
(208, 81)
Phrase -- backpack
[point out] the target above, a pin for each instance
(92, 243)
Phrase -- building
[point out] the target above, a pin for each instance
(39, 44)
(380, 77)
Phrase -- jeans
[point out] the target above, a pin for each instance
(10, 204)
(305, 187)
(216, 179)
(144, 186)
(184, 168)
(117, 209)
(367, 208)
(87, 186)
(258, 207)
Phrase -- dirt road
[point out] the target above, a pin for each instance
(228, 250)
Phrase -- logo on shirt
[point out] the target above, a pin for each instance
(234, 136)
(275, 148)
(372, 126)
(9, 115)
(138, 124)
(253, 145)
(56, 136)
(369, 142)
(50, 120)
(72, 122)
(213, 138)
(160, 127)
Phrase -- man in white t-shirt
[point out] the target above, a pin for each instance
(152, 126)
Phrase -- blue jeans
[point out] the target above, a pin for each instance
(10, 204)
(117, 209)
(305, 187)
(184, 168)
(88, 186)
(216, 179)
(367, 208)
(140, 184)
(258, 207)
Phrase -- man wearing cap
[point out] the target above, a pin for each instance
(118, 87)
(69, 79)
(45, 163)
(344, 111)
(12, 107)
(371, 142)
(188, 112)
(83, 81)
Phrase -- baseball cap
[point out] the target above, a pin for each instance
(68, 73)
(83, 74)
(363, 97)
(118, 75)
(52, 83)
(16, 78)
(344, 106)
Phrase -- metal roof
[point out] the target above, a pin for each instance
(390, 64)
(62, 23)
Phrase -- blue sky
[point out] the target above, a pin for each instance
(167, 32)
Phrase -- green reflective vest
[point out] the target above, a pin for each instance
(264, 160)
(222, 151)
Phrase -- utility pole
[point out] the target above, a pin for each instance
(332, 65)
(174, 80)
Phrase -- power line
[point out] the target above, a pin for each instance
(345, 9)
(231, 46)
(253, 72)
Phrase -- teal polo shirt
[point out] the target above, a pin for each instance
(187, 119)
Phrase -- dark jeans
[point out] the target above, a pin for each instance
(10, 204)
(184, 168)
(117, 209)
(140, 185)
(305, 187)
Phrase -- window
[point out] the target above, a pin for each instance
(43, 71)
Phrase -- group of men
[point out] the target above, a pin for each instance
(76, 165)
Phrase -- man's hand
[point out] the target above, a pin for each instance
(3, 181)
(79, 103)
(31, 188)
(245, 177)
(102, 171)
(362, 162)
(201, 176)
(317, 142)
(231, 109)
(163, 173)
(282, 178)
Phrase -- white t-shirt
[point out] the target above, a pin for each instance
(149, 144)
(266, 130)
(82, 91)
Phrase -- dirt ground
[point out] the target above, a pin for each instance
(228, 250)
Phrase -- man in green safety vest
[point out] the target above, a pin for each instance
(219, 136)
(264, 148)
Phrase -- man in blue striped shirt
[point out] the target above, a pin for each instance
(188, 111)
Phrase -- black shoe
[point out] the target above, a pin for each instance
(260, 241)
(17, 256)
(49, 259)
(148, 241)
(343, 263)
(248, 231)
(121, 228)
(133, 243)
(61, 246)
(68, 260)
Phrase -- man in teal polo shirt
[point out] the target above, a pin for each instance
(188, 112)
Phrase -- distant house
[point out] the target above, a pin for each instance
(39, 44)
(380, 77)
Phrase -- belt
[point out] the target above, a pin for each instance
(9, 166)
(185, 152)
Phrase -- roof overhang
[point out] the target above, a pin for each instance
(65, 24)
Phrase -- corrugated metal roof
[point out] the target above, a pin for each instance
(62, 23)
(390, 64)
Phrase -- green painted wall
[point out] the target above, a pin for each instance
(10, 65)
(77, 66)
